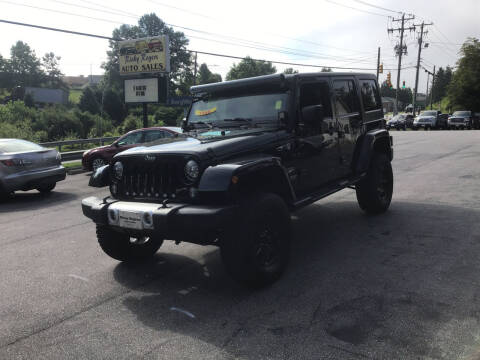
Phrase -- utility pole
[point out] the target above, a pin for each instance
(378, 62)
(195, 71)
(428, 80)
(400, 50)
(431, 92)
(420, 42)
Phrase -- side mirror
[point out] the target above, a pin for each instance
(100, 177)
(115, 144)
(312, 114)
(184, 124)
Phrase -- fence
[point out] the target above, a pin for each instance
(76, 155)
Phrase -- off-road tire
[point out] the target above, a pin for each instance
(256, 250)
(45, 189)
(118, 246)
(374, 191)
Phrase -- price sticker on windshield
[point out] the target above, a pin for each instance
(278, 105)
(205, 112)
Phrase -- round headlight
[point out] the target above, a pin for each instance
(192, 170)
(118, 169)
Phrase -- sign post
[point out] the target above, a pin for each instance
(145, 62)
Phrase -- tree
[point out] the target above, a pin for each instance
(290, 71)
(25, 66)
(205, 76)
(52, 70)
(405, 96)
(464, 89)
(443, 77)
(181, 74)
(249, 68)
(88, 101)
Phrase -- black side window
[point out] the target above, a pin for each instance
(316, 94)
(370, 97)
(346, 101)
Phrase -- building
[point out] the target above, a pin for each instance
(48, 96)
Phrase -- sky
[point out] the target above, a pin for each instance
(336, 33)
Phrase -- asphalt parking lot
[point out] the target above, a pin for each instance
(403, 285)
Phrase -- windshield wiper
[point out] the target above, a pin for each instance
(238, 119)
(205, 124)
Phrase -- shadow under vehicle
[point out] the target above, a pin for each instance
(253, 151)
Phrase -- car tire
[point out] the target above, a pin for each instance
(97, 162)
(119, 246)
(256, 251)
(374, 191)
(45, 189)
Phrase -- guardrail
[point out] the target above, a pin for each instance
(77, 154)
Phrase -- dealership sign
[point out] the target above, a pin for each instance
(141, 90)
(145, 55)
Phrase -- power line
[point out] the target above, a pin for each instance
(246, 43)
(59, 30)
(265, 47)
(377, 7)
(188, 50)
(357, 9)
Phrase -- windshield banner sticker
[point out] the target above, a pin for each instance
(205, 112)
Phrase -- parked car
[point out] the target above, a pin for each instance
(94, 158)
(431, 119)
(400, 121)
(248, 159)
(25, 166)
(461, 120)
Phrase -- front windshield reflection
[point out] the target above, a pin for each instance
(234, 111)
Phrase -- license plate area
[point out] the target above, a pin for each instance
(131, 220)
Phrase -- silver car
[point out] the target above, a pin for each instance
(26, 166)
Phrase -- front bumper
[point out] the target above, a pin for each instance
(200, 224)
(32, 179)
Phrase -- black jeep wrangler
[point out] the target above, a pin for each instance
(253, 151)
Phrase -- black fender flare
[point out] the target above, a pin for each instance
(375, 140)
(220, 178)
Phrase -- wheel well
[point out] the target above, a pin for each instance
(267, 180)
(382, 145)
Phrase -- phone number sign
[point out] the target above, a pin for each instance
(141, 90)
(145, 55)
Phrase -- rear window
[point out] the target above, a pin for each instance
(371, 99)
(10, 146)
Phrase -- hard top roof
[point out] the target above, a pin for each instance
(275, 80)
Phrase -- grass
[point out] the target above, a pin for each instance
(74, 96)
(72, 164)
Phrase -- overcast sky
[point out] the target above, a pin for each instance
(344, 33)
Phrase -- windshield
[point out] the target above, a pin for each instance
(461, 113)
(13, 145)
(398, 117)
(243, 109)
(429, 113)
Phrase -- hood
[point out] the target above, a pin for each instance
(97, 148)
(218, 147)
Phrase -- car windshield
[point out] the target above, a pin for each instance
(225, 111)
(429, 113)
(398, 117)
(461, 113)
(14, 145)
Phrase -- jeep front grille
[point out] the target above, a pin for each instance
(151, 180)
